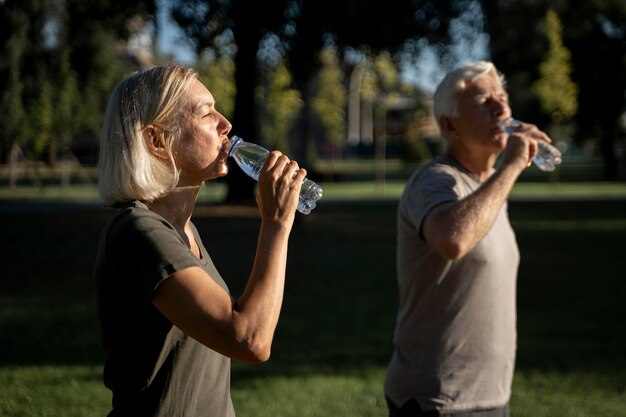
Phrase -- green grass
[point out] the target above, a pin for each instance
(573, 394)
(334, 337)
(312, 395)
(46, 390)
(333, 191)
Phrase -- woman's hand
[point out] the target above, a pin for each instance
(280, 180)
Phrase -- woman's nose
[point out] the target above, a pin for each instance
(225, 126)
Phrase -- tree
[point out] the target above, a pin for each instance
(555, 89)
(282, 106)
(517, 46)
(218, 73)
(22, 74)
(595, 33)
(304, 28)
(61, 62)
(205, 22)
(66, 102)
(382, 26)
(12, 114)
(92, 32)
(330, 101)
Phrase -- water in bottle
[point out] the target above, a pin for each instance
(547, 157)
(250, 158)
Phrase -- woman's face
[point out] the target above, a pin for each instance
(202, 149)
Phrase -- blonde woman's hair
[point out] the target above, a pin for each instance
(127, 170)
(445, 102)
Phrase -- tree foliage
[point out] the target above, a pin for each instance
(93, 31)
(61, 62)
(372, 25)
(206, 23)
(380, 76)
(66, 100)
(304, 28)
(329, 103)
(282, 104)
(21, 29)
(555, 89)
(595, 33)
(218, 75)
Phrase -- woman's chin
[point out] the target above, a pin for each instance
(223, 171)
(220, 172)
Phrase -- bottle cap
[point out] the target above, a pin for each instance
(233, 144)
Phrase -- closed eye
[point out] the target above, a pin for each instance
(480, 99)
(503, 97)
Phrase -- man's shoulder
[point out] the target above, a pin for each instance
(440, 167)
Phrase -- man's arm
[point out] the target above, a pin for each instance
(453, 229)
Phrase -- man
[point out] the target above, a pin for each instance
(457, 258)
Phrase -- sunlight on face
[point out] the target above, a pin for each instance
(482, 104)
(202, 149)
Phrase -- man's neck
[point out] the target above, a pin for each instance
(480, 165)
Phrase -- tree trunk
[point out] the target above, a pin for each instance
(241, 188)
(607, 149)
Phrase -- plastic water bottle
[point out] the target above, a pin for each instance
(250, 158)
(547, 158)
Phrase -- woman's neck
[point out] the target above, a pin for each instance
(177, 206)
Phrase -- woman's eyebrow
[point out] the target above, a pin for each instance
(210, 104)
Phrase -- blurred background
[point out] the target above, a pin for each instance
(345, 87)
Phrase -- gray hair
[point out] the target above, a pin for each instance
(127, 170)
(445, 103)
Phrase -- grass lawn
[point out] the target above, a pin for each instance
(334, 337)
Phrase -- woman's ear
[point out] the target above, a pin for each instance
(152, 137)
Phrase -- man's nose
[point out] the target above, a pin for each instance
(499, 107)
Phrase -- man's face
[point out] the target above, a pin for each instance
(482, 105)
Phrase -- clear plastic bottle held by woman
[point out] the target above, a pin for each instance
(547, 158)
(250, 158)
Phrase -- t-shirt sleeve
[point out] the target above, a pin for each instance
(429, 189)
(146, 250)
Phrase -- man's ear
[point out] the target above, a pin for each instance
(447, 126)
(152, 137)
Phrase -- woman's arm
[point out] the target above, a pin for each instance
(241, 329)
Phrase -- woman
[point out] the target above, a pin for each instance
(169, 326)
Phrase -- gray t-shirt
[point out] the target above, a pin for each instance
(455, 336)
(152, 367)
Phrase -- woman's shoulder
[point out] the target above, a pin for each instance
(136, 219)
